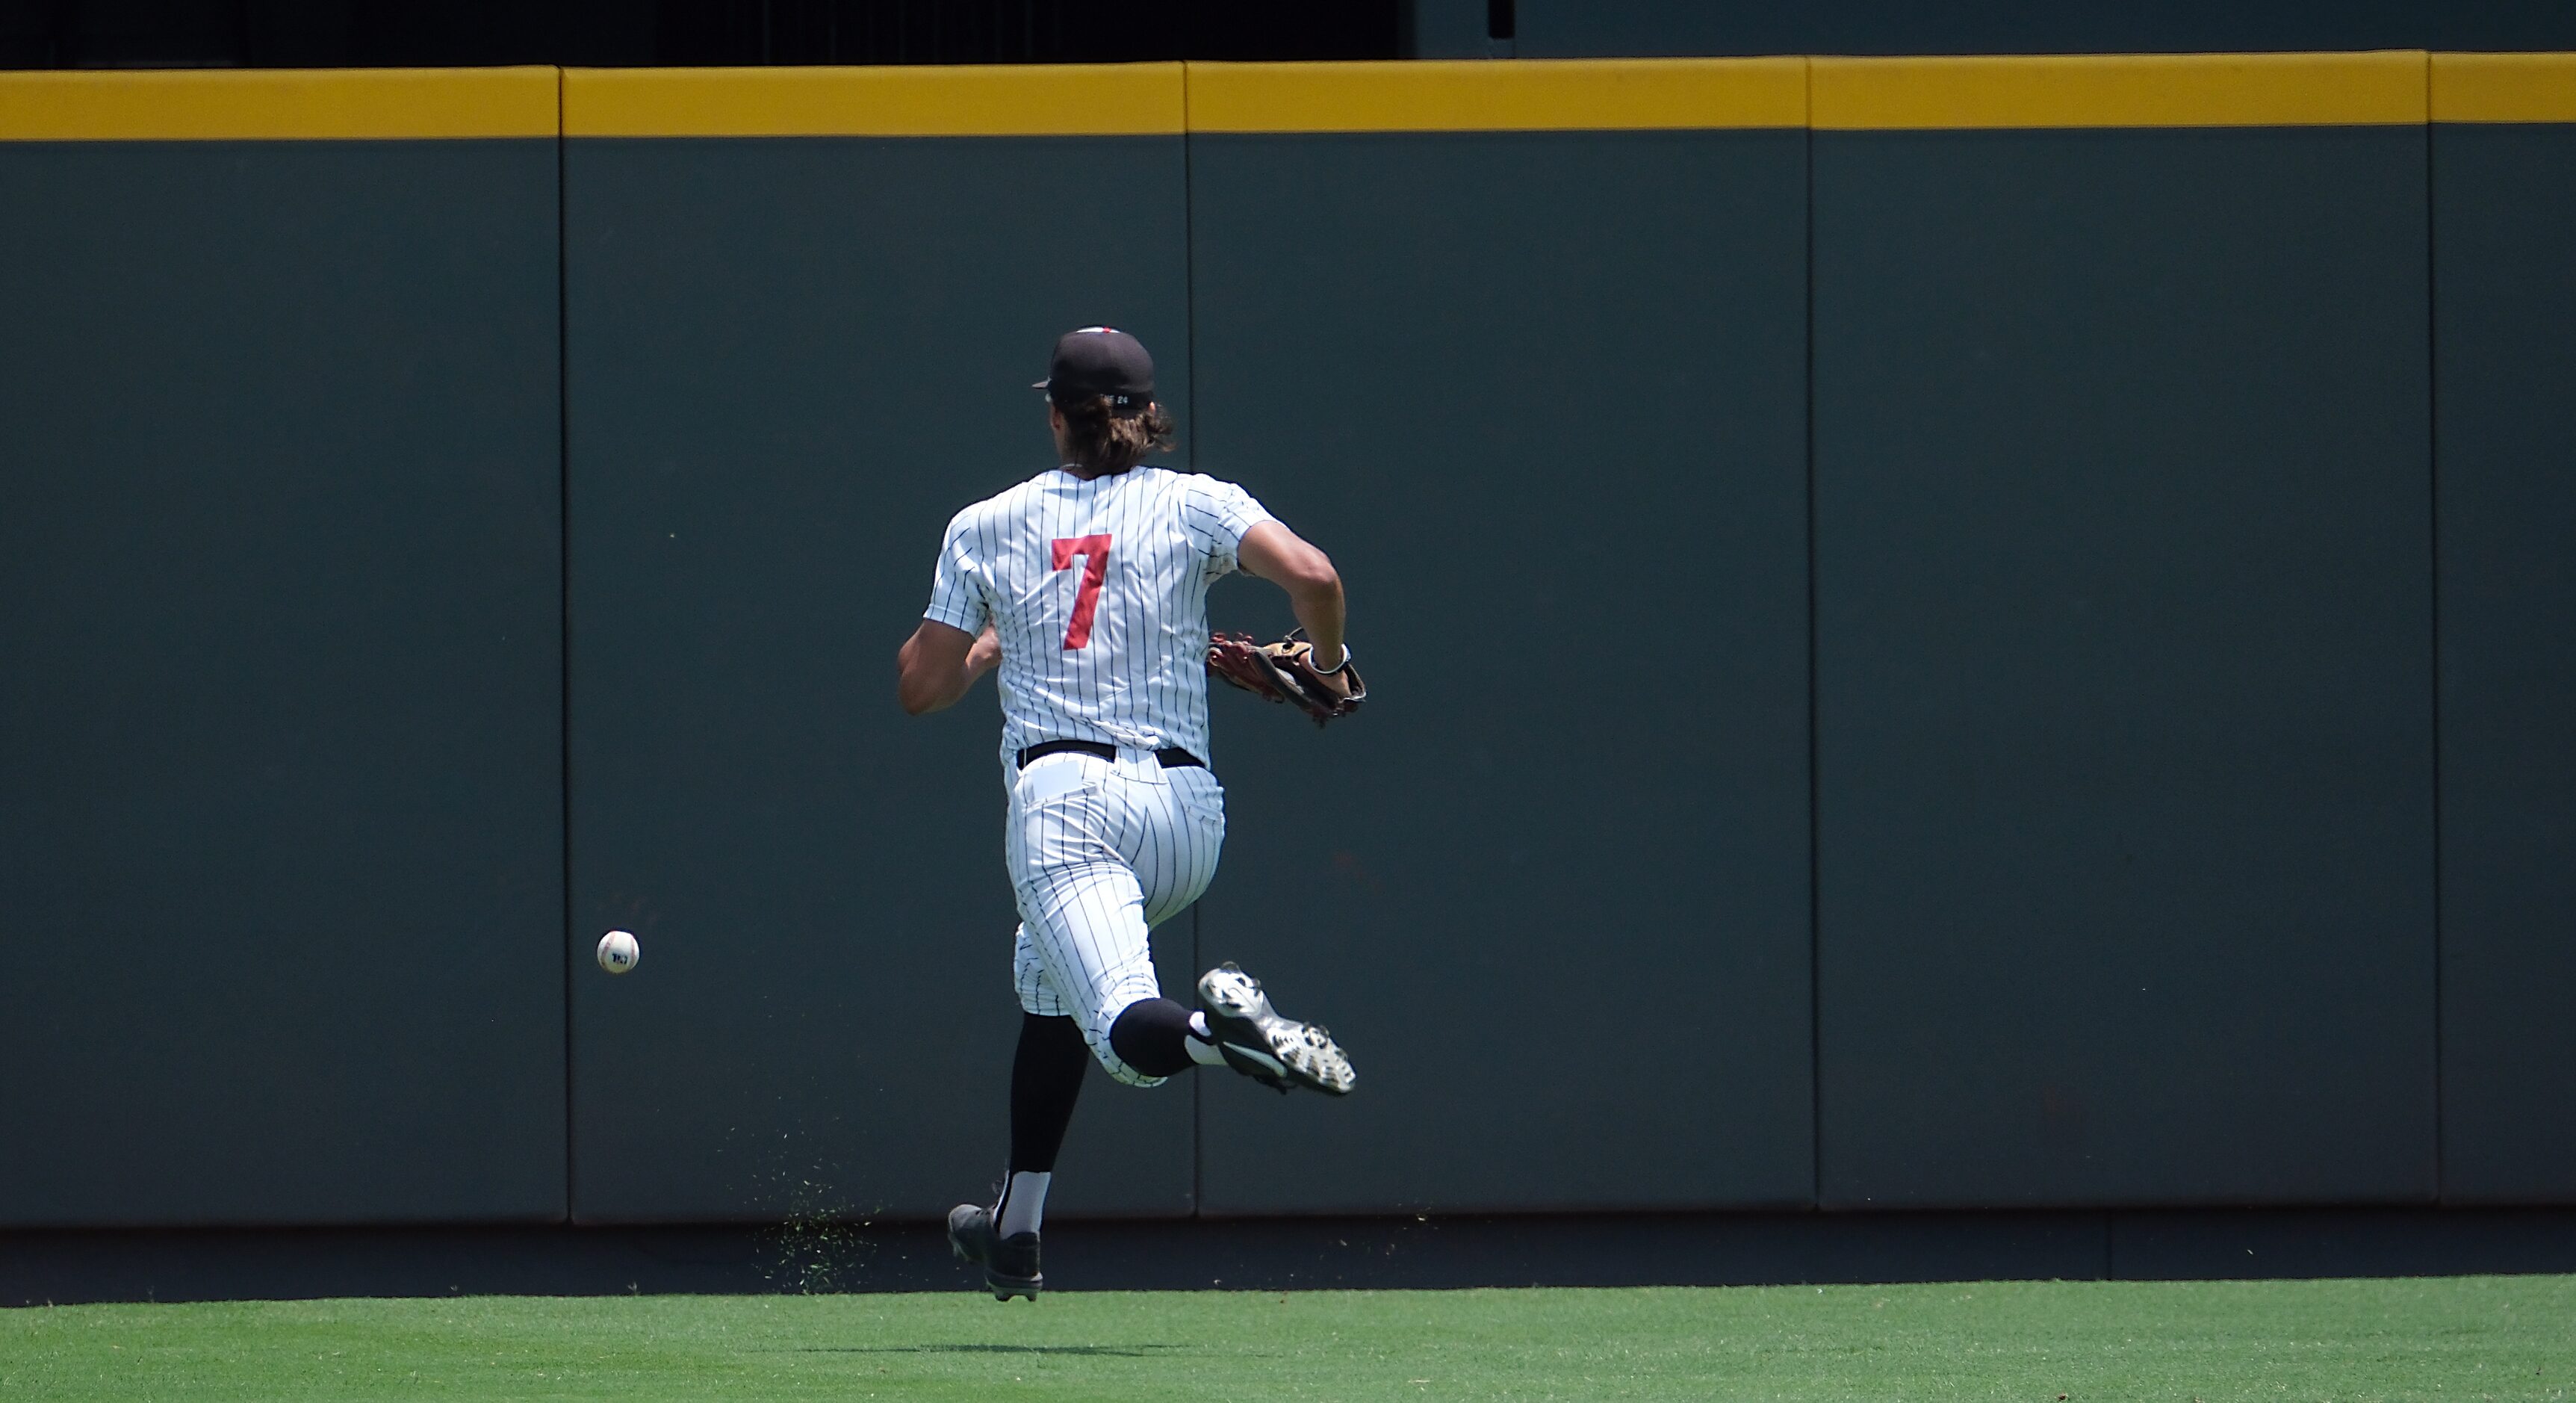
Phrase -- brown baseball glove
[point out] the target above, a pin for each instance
(1284, 672)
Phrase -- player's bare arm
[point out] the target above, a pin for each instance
(939, 664)
(1275, 553)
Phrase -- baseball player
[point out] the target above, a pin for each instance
(1086, 586)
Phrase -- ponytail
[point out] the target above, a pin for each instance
(1105, 444)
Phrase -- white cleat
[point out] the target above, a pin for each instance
(1277, 1052)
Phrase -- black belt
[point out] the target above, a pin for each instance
(1173, 757)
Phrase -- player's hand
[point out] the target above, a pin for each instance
(984, 655)
(1284, 672)
(1337, 682)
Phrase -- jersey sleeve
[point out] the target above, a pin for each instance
(956, 584)
(1215, 515)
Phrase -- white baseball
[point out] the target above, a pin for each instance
(618, 952)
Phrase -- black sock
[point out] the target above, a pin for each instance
(1152, 1036)
(1046, 1076)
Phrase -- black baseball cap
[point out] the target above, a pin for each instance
(1100, 360)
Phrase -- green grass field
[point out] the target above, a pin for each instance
(2454, 1339)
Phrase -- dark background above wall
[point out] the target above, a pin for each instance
(687, 33)
(680, 33)
(1675, 28)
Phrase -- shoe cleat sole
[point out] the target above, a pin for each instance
(1271, 1049)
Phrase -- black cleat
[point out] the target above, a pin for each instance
(1010, 1263)
(1274, 1051)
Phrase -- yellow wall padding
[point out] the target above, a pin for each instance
(279, 104)
(1134, 99)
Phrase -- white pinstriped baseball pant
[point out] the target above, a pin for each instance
(1100, 853)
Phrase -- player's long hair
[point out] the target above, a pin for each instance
(1105, 444)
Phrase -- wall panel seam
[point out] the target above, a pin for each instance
(1815, 785)
(563, 600)
(2433, 619)
(1190, 359)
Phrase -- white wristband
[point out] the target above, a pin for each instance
(1336, 667)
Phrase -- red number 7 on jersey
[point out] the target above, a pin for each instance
(1086, 598)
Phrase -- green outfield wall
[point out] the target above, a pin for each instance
(1948, 633)
(1567, 434)
(2504, 198)
(780, 386)
(281, 782)
(2124, 667)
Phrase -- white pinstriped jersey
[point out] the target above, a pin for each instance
(1097, 591)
